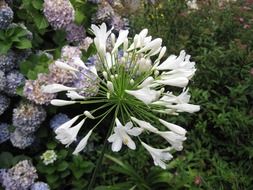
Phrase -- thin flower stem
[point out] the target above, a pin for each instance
(92, 101)
(99, 162)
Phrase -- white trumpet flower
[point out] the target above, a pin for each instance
(82, 144)
(175, 128)
(159, 155)
(67, 135)
(145, 125)
(65, 66)
(58, 102)
(190, 108)
(54, 88)
(121, 136)
(120, 40)
(145, 94)
(174, 139)
(73, 95)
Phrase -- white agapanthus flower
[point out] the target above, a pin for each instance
(132, 89)
(121, 136)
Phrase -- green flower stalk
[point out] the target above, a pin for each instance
(134, 84)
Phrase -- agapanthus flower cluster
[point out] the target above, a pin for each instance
(134, 86)
(21, 176)
(48, 157)
(26, 118)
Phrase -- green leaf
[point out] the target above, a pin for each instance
(4, 47)
(65, 174)
(40, 22)
(31, 75)
(78, 173)
(52, 178)
(37, 4)
(62, 154)
(19, 90)
(51, 145)
(6, 160)
(19, 158)
(62, 166)
(79, 17)
(23, 44)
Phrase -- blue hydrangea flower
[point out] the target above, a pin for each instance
(20, 177)
(7, 61)
(6, 16)
(14, 79)
(87, 82)
(32, 90)
(2, 80)
(4, 132)
(28, 116)
(40, 186)
(59, 13)
(57, 120)
(2, 171)
(75, 33)
(4, 103)
(21, 140)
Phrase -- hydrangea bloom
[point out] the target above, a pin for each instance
(2, 80)
(40, 186)
(21, 140)
(2, 171)
(27, 117)
(59, 13)
(7, 61)
(4, 103)
(104, 13)
(48, 157)
(4, 132)
(21, 176)
(32, 90)
(14, 79)
(6, 16)
(58, 120)
(75, 33)
(133, 88)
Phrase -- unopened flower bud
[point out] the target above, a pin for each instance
(156, 73)
(132, 81)
(105, 75)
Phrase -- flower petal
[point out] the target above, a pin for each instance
(82, 144)
(58, 102)
(175, 128)
(145, 125)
